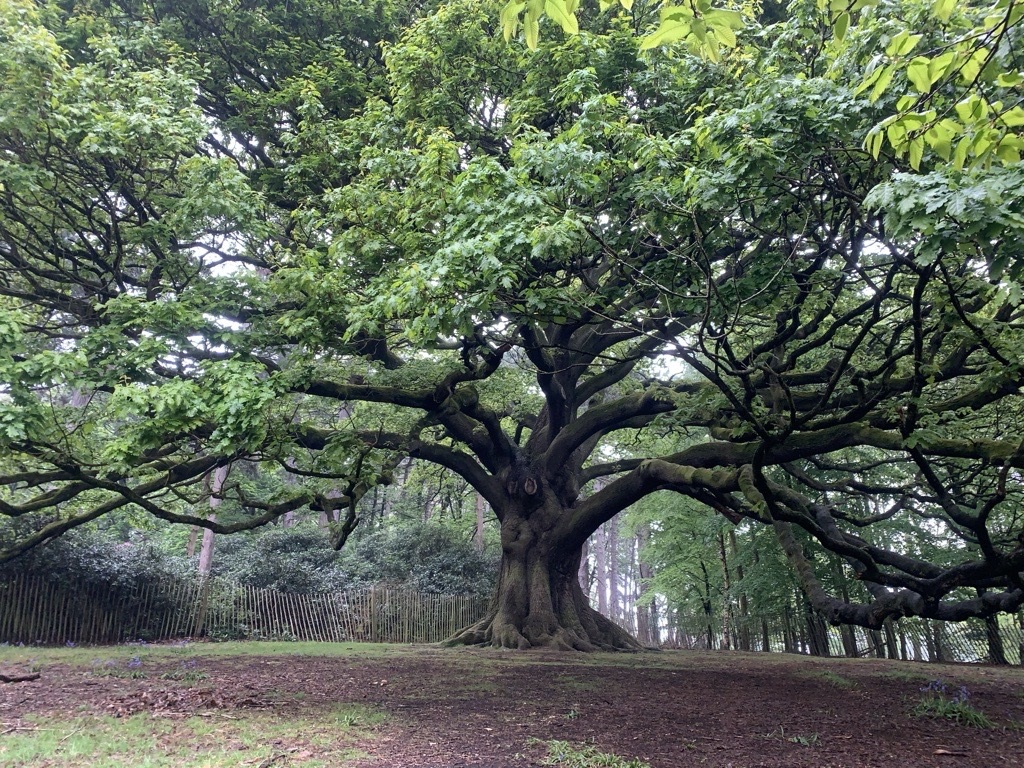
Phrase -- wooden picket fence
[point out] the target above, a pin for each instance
(36, 611)
(909, 639)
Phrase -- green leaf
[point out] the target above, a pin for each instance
(882, 82)
(510, 18)
(841, 25)
(1008, 153)
(873, 143)
(917, 74)
(1012, 118)
(902, 44)
(667, 32)
(960, 153)
(943, 9)
(720, 18)
(868, 81)
(941, 65)
(916, 152)
(557, 10)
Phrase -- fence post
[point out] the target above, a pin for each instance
(204, 597)
(373, 614)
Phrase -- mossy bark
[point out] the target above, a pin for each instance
(538, 602)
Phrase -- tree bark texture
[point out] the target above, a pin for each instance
(538, 602)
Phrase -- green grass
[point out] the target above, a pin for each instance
(905, 675)
(219, 741)
(835, 680)
(86, 655)
(570, 755)
(959, 712)
(578, 685)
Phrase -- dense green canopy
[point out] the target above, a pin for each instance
(322, 235)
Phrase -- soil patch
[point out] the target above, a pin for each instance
(455, 708)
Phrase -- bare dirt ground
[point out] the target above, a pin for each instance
(673, 709)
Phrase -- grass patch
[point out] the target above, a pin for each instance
(86, 655)
(565, 753)
(905, 675)
(835, 680)
(220, 741)
(943, 701)
(579, 685)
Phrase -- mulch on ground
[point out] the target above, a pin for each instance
(455, 708)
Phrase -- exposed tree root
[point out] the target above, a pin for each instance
(590, 632)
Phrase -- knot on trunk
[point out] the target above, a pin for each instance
(521, 481)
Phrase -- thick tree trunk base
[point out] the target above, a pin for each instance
(576, 627)
(539, 602)
(492, 632)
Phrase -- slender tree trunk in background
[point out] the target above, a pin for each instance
(846, 631)
(727, 593)
(891, 646)
(600, 540)
(744, 628)
(193, 538)
(646, 615)
(787, 632)
(654, 622)
(817, 635)
(903, 641)
(388, 507)
(614, 593)
(206, 552)
(766, 639)
(915, 644)
(938, 630)
(709, 615)
(478, 534)
(877, 647)
(996, 652)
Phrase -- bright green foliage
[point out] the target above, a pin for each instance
(705, 29)
(963, 102)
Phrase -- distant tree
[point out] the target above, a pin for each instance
(257, 234)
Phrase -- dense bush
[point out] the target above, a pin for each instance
(100, 557)
(297, 559)
(421, 556)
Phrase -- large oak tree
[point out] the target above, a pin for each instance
(324, 235)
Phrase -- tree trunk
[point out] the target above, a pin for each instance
(206, 551)
(726, 595)
(612, 548)
(601, 569)
(646, 614)
(996, 652)
(706, 604)
(744, 620)
(478, 534)
(539, 602)
(585, 574)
